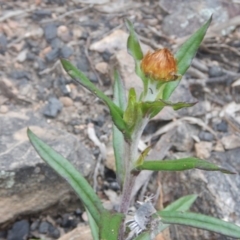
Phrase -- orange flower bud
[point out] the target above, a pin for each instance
(160, 65)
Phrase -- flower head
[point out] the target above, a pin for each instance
(160, 65)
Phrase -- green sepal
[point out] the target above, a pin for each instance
(115, 111)
(184, 57)
(201, 221)
(181, 165)
(109, 225)
(66, 170)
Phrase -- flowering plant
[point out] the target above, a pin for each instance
(160, 73)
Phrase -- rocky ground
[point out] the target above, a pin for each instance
(35, 92)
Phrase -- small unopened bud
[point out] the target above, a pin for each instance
(160, 65)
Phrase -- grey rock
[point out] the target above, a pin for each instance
(43, 227)
(50, 31)
(82, 63)
(41, 13)
(185, 16)
(53, 107)
(53, 232)
(3, 43)
(66, 52)
(222, 126)
(19, 231)
(206, 136)
(27, 184)
(218, 193)
(56, 43)
(215, 71)
(92, 77)
(52, 55)
(17, 74)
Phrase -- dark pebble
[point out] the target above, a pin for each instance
(53, 232)
(106, 55)
(92, 77)
(52, 55)
(50, 31)
(20, 75)
(3, 43)
(59, 2)
(56, 43)
(40, 64)
(82, 63)
(69, 221)
(19, 231)
(215, 71)
(41, 13)
(35, 225)
(66, 52)
(61, 84)
(3, 234)
(53, 107)
(100, 120)
(84, 35)
(222, 126)
(114, 186)
(43, 227)
(31, 56)
(206, 136)
(78, 212)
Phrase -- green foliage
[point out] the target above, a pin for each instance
(181, 165)
(185, 55)
(200, 221)
(66, 170)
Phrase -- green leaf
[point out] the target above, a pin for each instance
(185, 55)
(109, 225)
(182, 204)
(118, 138)
(133, 46)
(93, 226)
(115, 111)
(180, 165)
(200, 221)
(153, 108)
(66, 170)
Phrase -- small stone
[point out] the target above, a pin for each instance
(203, 149)
(82, 64)
(56, 43)
(92, 77)
(106, 55)
(53, 107)
(66, 52)
(3, 109)
(69, 221)
(53, 232)
(19, 231)
(22, 56)
(231, 141)
(43, 227)
(20, 75)
(39, 64)
(3, 43)
(41, 13)
(52, 55)
(218, 147)
(215, 71)
(206, 136)
(222, 126)
(34, 225)
(50, 32)
(63, 33)
(102, 67)
(78, 212)
(77, 33)
(30, 56)
(66, 101)
(85, 217)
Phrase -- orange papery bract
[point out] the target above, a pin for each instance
(160, 65)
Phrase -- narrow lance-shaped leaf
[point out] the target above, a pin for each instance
(134, 49)
(115, 111)
(182, 204)
(133, 46)
(66, 170)
(119, 99)
(93, 226)
(200, 221)
(181, 164)
(185, 55)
